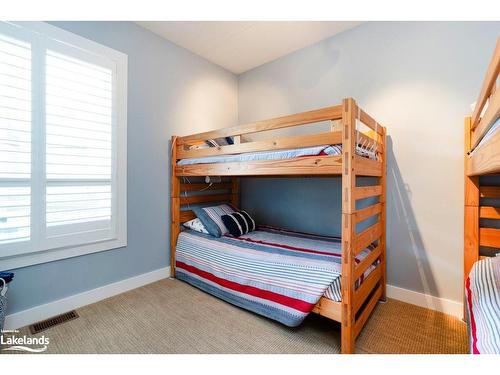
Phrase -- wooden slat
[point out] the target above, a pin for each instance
(318, 115)
(205, 187)
(487, 121)
(329, 138)
(360, 322)
(330, 309)
(363, 192)
(309, 165)
(486, 158)
(367, 212)
(206, 198)
(486, 212)
(366, 237)
(369, 121)
(489, 191)
(367, 262)
(186, 216)
(488, 83)
(489, 237)
(367, 167)
(366, 287)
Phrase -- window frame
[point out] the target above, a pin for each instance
(40, 248)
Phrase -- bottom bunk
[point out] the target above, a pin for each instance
(482, 289)
(281, 274)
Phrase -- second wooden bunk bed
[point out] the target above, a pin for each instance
(356, 303)
(482, 158)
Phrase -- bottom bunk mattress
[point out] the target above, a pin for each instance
(274, 272)
(482, 289)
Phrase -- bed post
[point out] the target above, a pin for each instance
(383, 183)
(471, 212)
(348, 224)
(175, 206)
(235, 192)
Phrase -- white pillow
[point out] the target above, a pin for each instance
(195, 225)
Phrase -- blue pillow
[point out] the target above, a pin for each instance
(211, 218)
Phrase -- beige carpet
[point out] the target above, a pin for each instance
(170, 316)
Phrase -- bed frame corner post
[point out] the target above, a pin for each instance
(383, 201)
(175, 208)
(235, 191)
(471, 211)
(348, 336)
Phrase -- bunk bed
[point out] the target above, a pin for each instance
(482, 216)
(347, 273)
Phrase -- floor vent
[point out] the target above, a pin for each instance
(56, 320)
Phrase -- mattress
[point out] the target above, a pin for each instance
(274, 155)
(275, 272)
(482, 290)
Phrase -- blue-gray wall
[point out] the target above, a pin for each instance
(419, 80)
(170, 91)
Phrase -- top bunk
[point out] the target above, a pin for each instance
(482, 133)
(241, 151)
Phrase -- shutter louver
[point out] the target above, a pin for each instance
(78, 144)
(15, 140)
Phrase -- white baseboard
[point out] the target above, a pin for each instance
(48, 310)
(425, 300)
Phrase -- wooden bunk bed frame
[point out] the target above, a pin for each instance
(357, 304)
(484, 160)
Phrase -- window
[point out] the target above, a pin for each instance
(62, 145)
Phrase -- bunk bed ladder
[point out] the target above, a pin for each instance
(358, 303)
(348, 224)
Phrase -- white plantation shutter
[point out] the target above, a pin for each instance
(15, 140)
(62, 144)
(79, 122)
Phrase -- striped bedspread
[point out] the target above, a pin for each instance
(482, 289)
(276, 155)
(274, 272)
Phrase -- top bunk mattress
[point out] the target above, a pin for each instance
(274, 272)
(275, 155)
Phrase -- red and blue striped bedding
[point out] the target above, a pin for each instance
(482, 290)
(274, 272)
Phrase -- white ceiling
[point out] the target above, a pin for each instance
(239, 46)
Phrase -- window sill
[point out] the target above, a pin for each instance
(30, 259)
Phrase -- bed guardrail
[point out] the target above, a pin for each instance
(481, 123)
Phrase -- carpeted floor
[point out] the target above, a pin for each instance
(170, 316)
